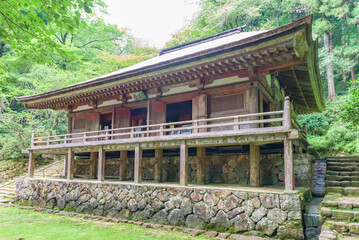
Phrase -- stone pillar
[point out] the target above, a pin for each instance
(183, 164)
(31, 170)
(158, 164)
(123, 165)
(138, 164)
(101, 164)
(201, 164)
(253, 103)
(93, 163)
(70, 164)
(288, 165)
(254, 152)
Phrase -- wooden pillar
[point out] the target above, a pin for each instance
(253, 103)
(93, 163)
(183, 164)
(64, 170)
(158, 164)
(31, 170)
(201, 164)
(138, 164)
(254, 165)
(123, 165)
(288, 165)
(101, 165)
(70, 164)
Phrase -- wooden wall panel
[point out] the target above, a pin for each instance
(199, 106)
(157, 114)
(122, 119)
(92, 124)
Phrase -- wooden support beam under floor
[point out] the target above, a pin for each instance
(201, 164)
(183, 164)
(123, 165)
(138, 164)
(254, 165)
(101, 164)
(70, 164)
(93, 164)
(31, 170)
(158, 164)
(288, 166)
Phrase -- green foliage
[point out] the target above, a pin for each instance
(29, 26)
(351, 105)
(329, 133)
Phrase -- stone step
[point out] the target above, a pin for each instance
(8, 188)
(342, 178)
(343, 163)
(339, 214)
(342, 173)
(342, 183)
(342, 168)
(347, 158)
(341, 202)
(7, 192)
(348, 191)
(344, 227)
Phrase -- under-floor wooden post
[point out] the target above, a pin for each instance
(138, 164)
(70, 164)
(288, 165)
(31, 164)
(101, 165)
(183, 164)
(158, 164)
(254, 152)
(64, 169)
(201, 164)
(93, 163)
(123, 165)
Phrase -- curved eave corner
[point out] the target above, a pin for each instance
(313, 69)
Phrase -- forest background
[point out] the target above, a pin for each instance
(46, 46)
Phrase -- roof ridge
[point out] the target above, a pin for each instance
(203, 40)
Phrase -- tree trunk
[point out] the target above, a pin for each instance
(353, 74)
(329, 69)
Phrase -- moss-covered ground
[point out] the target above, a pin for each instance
(16, 223)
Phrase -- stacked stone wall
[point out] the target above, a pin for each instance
(9, 171)
(220, 169)
(276, 215)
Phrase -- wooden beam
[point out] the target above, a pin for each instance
(31, 170)
(183, 164)
(70, 164)
(158, 164)
(300, 89)
(254, 165)
(64, 170)
(201, 164)
(101, 164)
(138, 164)
(123, 165)
(288, 165)
(93, 163)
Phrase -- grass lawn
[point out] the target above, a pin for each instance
(21, 224)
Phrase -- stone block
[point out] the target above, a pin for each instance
(340, 227)
(223, 235)
(354, 228)
(342, 215)
(194, 221)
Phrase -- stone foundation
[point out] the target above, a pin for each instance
(220, 168)
(272, 214)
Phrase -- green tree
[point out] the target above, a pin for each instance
(28, 26)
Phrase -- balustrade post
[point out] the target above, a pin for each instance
(131, 135)
(161, 130)
(65, 141)
(48, 141)
(195, 124)
(84, 137)
(106, 138)
(236, 120)
(286, 114)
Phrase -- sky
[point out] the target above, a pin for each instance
(151, 20)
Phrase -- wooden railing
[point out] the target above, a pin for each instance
(236, 124)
